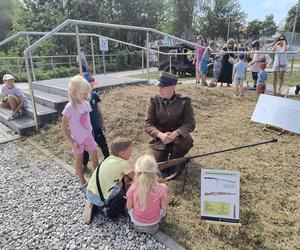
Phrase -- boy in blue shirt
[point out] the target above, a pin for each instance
(262, 79)
(97, 120)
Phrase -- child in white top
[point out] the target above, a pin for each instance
(76, 125)
(239, 74)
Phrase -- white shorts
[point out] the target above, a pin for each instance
(163, 213)
(280, 68)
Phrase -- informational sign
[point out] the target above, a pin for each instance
(279, 112)
(220, 195)
(103, 44)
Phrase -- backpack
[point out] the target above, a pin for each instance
(116, 203)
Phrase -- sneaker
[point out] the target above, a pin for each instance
(297, 90)
(83, 187)
(88, 212)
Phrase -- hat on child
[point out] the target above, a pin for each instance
(89, 78)
(166, 79)
(7, 77)
(241, 56)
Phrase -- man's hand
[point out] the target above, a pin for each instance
(167, 137)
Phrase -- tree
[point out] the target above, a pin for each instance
(266, 28)
(269, 27)
(183, 17)
(214, 18)
(7, 9)
(290, 20)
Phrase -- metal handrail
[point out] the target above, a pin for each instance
(80, 22)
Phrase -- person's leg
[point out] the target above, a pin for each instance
(101, 141)
(275, 82)
(5, 104)
(85, 158)
(83, 69)
(13, 101)
(79, 170)
(197, 72)
(281, 77)
(94, 157)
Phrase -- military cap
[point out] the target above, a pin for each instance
(166, 79)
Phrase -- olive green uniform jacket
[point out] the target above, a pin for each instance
(168, 116)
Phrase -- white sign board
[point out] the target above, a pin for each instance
(103, 44)
(220, 195)
(277, 111)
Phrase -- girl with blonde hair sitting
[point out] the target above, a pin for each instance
(147, 199)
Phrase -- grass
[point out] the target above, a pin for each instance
(270, 174)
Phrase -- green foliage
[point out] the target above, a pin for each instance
(7, 8)
(290, 20)
(128, 60)
(214, 18)
(266, 28)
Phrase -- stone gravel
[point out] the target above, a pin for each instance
(41, 208)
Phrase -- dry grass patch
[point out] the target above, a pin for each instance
(270, 174)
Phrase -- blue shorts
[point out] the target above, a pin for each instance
(203, 67)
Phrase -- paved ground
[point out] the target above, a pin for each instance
(6, 134)
(41, 208)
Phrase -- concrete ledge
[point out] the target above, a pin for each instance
(159, 236)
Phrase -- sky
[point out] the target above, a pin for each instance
(258, 9)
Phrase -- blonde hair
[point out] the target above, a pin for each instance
(119, 144)
(230, 40)
(77, 85)
(145, 178)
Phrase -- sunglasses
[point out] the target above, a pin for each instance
(230, 43)
(281, 39)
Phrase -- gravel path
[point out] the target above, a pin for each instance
(41, 208)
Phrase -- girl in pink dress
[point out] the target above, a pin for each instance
(146, 198)
(76, 125)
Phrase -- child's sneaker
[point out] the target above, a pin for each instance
(83, 187)
(88, 212)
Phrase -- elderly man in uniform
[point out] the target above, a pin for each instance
(169, 121)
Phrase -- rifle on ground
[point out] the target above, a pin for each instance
(182, 162)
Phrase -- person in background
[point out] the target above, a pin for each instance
(239, 74)
(147, 199)
(197, 58)
(216, 71)
(256, 60)
(204, 61)
(82, 58)
(280, 63)
(227, 63)
(262, 79)
(14, 99)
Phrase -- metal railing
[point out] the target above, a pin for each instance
(27, 52)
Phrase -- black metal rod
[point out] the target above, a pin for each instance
(231, 149)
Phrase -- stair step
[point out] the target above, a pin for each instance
(22, 125)
(49, 100)
(44, 114)
(50, 88)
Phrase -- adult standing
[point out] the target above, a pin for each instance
(280, 62)
(256, 60)
(169, 120)
(83, 60)
(227, 63)
(198, 55)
